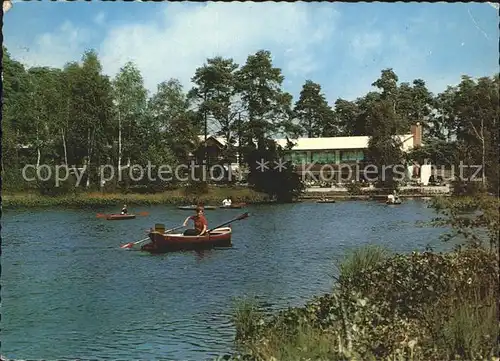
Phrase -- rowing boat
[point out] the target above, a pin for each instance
(193, 207)
(115, 217)
(326, 201)
(162, 242)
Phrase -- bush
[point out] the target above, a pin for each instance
(196, 188)
(462, 188)
(354, 188)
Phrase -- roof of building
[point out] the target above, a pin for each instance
(328, 143)
(221, 140)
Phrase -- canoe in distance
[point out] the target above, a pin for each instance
(170, 242)
(117, 217)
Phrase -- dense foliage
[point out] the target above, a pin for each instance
(79, 116)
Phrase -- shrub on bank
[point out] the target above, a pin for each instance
(354, 188)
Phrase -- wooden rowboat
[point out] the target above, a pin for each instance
(116, 217)
(161, 242)
(193, 207)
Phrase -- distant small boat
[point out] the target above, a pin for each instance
(397, 201)
(326, 201)
(234, 206)
(116, 217)
(193, 207)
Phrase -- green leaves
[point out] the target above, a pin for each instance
(259, 87)
(173, 121)
(77, 115)
(315, 116)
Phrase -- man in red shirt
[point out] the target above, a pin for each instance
(200, 224)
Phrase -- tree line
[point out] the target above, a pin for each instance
(78, 115)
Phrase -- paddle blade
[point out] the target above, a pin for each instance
(100, 215)
(128, 245)
(144, 213)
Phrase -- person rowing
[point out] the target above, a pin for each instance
(200, 223)
(124, 209)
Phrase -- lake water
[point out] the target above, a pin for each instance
(69, 291)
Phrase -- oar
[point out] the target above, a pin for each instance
(239, 218)
(132, 244)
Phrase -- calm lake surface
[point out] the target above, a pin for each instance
(69, 291)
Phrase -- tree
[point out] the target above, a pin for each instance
(130, 99)
(476, 111)
(384, 148)
(313, 112)
(365, 107)
(414, 104)
(348, 116)
(15, 104)
(215, 92)
(91, 99)
(268, 108)
(282, 184)
(180, 126)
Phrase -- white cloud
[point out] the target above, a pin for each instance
(54, 49)
(186, 36)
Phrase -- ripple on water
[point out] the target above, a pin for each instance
(71, 292)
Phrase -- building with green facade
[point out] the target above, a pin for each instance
(333, 150)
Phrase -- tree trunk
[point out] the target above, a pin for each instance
(119, 144)
(65, 149)
(38, 158)
(89, 151)
(483, 155)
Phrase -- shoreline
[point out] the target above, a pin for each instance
(177, 198)
(97, 199)
(369, 197)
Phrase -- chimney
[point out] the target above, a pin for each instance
(416, 131)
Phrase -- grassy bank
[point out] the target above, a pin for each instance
(90, 199)
(420, 306)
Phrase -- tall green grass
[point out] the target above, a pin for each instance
(361, 260)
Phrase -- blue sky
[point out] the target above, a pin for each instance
(342, 46)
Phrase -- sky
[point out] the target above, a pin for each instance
(341, 46)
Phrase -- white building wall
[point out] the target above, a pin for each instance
(425, 173)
